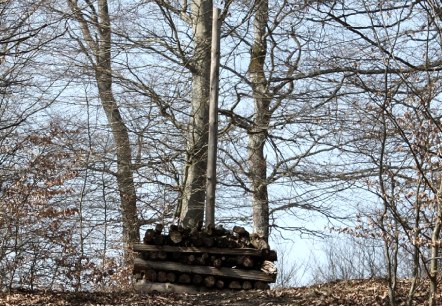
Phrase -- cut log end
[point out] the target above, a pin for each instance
(209, 281)
(235, 285)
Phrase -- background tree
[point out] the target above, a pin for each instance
(98, 51)
(328, 112)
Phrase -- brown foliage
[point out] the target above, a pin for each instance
(36, 225)
(355, 292)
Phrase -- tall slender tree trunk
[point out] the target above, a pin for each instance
(125, 181)
(192, 207)
(435, 245)
(100, 50)
(257, 163)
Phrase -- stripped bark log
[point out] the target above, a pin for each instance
(140, 264)
(177, 249)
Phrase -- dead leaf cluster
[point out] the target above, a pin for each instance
(338, 293)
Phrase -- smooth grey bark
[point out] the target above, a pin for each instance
(194, 194)
(100, 51)
(257, 134)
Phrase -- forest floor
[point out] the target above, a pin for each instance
(338, 293)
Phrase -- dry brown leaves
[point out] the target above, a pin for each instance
(342, 293)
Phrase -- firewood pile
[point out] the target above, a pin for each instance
(200, 259)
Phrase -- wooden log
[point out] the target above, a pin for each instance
(217, 262)
(190, 259)
(261, 285)
(269, 255)
(184, 278)
(240, 231)
(173, 227)
(209, 281)
(210, 230)
(226, 242)
(197, 279)
(217, 236)
(185, 231)
(219, 230)
(162, 276)
(171, 277)
(222, 242)
(138, 247)
(207, 241)
(159, 228)
(231, 261)
(219, 284)
(247, 285)
(154, 236)
(159, 239)
(144, 255)
(258, 242)
(161, 255)
(176, 256)
(235, 285)
(195, 240)
(269, 267)
(247, 261)
(203, 259)
(150, 275)
(148, 236)
(175, 236)
(153, 255)
(244, 242)
(140, 264)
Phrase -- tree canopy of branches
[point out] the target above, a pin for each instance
(328, 111)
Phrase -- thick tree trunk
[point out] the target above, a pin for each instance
(258, 133)
(120, 133)
(192, 207)
(100, 51)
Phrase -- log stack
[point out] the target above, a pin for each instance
(200, 259)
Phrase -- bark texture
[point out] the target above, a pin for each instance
(100, 51)
(258, 133)
(194, 194)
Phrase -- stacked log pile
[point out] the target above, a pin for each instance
(198, 259)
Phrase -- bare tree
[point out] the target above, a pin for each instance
(98, 51)
(400, 107)
(257, 168)
(194, 195)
